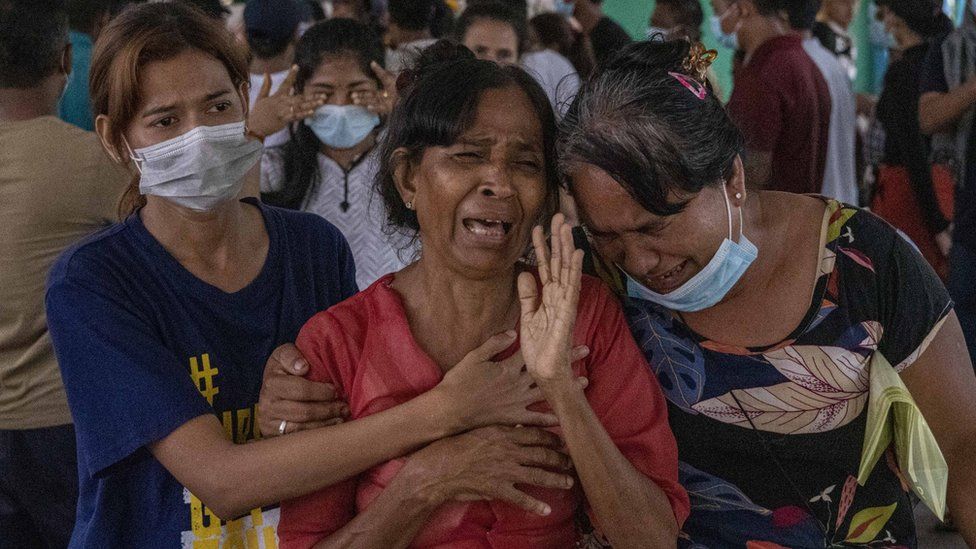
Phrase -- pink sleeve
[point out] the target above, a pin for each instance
(308, 519)
(626, 397)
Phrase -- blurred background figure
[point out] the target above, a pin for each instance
(85, 19)
(780, 102)
(56, 186)
(605, 34)
(494, 31)
(840, 171)
(911, 192)
(554, 31)
(833, 30)
(272, 28)
(212, 8)
(408, 31)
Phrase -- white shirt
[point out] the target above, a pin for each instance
(555, 74)
(280, 137)
(363, 223)
(840, 179)
(404, 56)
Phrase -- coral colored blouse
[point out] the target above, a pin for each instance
(365, 348)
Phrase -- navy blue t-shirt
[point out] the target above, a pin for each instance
(933, 80)
(145, 346)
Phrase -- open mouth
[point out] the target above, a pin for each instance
(669, 281)
(487, 227)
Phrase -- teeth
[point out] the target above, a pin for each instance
(486, 227)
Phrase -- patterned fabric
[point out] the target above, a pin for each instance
(770, 438)
(362, 221)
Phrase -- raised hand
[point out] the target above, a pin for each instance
(548, 316)
(379, 102)
(272, 112)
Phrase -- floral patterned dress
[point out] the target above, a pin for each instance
(770, 438)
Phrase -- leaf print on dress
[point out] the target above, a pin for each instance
(868, 523)
(677, 361)
(827, 388)
(710, 493)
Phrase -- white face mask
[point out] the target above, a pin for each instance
(200, 169)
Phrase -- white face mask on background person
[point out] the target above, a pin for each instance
(726, 40)
(200, 169)
(342, 127)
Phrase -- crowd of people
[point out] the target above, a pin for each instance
(421, 273)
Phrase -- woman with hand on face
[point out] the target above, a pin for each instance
(163, 322)
(774, 322)
(329, 164)
(471, 172)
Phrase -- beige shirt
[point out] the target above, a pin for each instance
(56, 186)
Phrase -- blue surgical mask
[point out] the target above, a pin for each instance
(653, 31)
(564, 8)
(712, 283)
(730, 40)
(342, 127)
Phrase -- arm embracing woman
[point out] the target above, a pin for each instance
(633, 507)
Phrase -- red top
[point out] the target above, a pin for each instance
(365, 348)
(781, 104)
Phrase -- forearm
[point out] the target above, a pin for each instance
(391, 521)
(202, 459)
(939, 111)
(962, 486)
(631, 510)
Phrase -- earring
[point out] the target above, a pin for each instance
(738, 196)
(409, 205)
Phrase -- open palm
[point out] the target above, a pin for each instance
(548, 316)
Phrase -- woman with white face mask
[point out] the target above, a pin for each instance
(329, 164)
(778, 324)
(162, 323)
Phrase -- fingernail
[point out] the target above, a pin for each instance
(511, 333)
(569, 482)
(546, 510)
(297, 365)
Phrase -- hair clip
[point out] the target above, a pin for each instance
(698, 61)
(700, 91)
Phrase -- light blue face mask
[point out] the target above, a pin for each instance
(726, 40)
(712, 283)
(342, 126)
(564, 8)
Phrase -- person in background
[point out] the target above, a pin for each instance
(832, 29)
(408, 31)
(911, 193)
(551, 69)
(680, 20)
(676, 19)
(56, 186)
(946, 110)
(493, 31)
(272, 29)
(780, 102)
(162, 323)
(840, 171)
(606, 35)
(552, 30)
(85, 19)
(329, 165)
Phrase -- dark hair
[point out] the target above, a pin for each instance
(773, 7)
(923, 17)
(688, 14)
(264, 47)
(210, 8)
(644, 128)
(415, 15)
(553, 31)
(143, 34)
(494, 11)
(439, 100)
(315, 10)
(803, 13)
(331, 38)
(84, 15)
(33, 36)
(442, 21)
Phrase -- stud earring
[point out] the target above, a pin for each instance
(738, 196)
(409, 205)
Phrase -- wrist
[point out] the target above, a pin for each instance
(562, 393)
(442, 414)
(422, 490)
